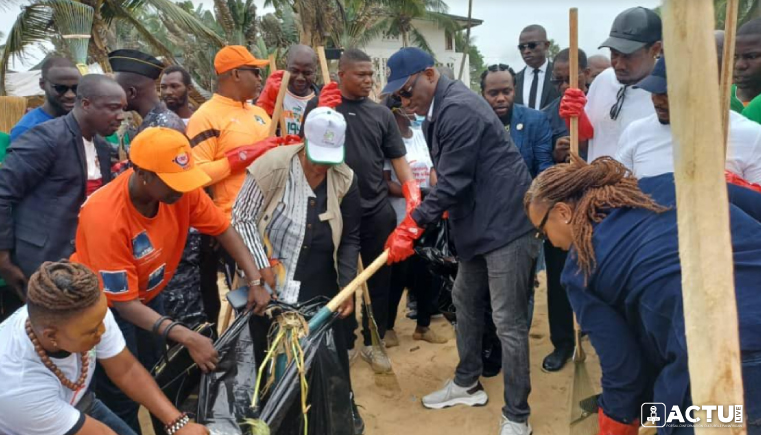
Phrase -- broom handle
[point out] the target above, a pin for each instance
(365, 290)
(277, 114)
(573, 17)
(323, 65)
(578, 353)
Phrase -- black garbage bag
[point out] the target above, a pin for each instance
(182, 295)
(329, 396)
(225, 395)
(437, 251)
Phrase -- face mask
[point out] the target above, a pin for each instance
(418, 122)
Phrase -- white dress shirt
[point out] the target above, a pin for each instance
(528, 78)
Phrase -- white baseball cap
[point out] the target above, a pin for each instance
(324, 136)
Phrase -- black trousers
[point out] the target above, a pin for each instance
(415, 276)
(558, 307)
(374, 231)
(209, 263)
(9, 302)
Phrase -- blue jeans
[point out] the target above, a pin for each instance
(147, 348)
(751, 368)
(506, 276)
(100, 412)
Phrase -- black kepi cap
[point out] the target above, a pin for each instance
(135, 62)
(633, 29)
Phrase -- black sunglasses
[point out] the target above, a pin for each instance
(540, 234)
(407, 93)
(256, 71)
(615, 110)
(63, 89)
(529, 45)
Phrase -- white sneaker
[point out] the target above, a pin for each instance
(508, 427)
(452, 395)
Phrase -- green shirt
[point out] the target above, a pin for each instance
(734, 102)
(753, 110)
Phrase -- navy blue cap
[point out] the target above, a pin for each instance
(404, 63)
(655, 83)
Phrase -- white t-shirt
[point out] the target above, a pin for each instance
(91, 158)
(528, 78)
(293, 111)
(32, 399)
(419, 158)
(646, 148)
(601, 97)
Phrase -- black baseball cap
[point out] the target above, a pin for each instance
(633, 29)
(404, 63)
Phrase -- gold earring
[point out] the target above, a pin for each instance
(55, 344)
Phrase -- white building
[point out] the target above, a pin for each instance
(440, 41)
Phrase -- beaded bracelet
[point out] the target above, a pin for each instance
(177, 424)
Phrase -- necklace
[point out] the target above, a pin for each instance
(52, 367)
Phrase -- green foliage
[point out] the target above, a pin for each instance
(476, 59)
(400, 14)
(554, 49)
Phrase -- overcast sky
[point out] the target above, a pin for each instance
(503, 20)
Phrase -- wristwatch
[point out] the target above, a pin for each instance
(255, 282)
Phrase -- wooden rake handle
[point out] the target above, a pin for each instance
(349, 290)
(277, 115)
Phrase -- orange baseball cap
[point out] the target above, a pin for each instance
(167, 152)
(235, 56)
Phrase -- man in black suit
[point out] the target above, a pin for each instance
(533, 87)
(48, 174)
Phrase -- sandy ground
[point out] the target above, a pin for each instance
(422, 367)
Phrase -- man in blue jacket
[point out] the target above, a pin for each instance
(48, 173)
(482, 179)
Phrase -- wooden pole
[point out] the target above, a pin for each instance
(727, 66)
(573, 73)
(323, 65)
(467, 40)
(273, 63)
(357, 282)
(277, 115)
(705, 246)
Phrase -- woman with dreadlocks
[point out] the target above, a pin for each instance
(47, 358)
(623, 278)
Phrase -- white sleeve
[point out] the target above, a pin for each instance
(626, 146)
(387, 166)
(112, 342)
(752, 167)
(37, 409)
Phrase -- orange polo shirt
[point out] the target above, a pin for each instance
(218, 126)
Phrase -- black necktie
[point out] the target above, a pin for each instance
(532, 94)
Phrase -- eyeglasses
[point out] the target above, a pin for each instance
(620, 97)
(257, 71)
(407, 93)
(540, 234)
(530, 45)
(63, 89)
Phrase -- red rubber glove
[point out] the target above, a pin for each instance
(330, 96)
(401, 242)
(411, 192)
(292, 139)
(239, 158)
(739, 181)
(572, 105)
(608, 426)
(268, 97)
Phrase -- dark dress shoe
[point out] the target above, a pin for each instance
(557, 359)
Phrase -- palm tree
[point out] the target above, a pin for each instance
(35, 25)
(315, 19)
(401, 14)
(361, 24)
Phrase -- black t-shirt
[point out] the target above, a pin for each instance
(371, 137)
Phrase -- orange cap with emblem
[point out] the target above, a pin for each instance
(235, 56)
(167, 152)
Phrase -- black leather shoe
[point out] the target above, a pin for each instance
(359, 424)
(557, 359)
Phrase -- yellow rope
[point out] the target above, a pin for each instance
(285, 334)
